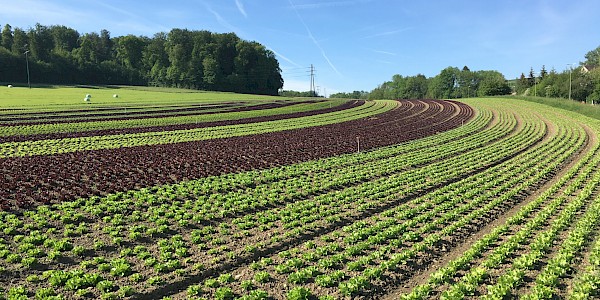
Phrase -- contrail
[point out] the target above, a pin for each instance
(285, 58)
(240, 7)
(314, 40)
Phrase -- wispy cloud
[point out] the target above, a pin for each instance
(324, 4)
(312, 37)
(286, 59)
(83, 17)
(132, 21)
(118, 10)
(43, 11)
(386, 33)
(222, 20)
(383, 52)
(384, 62)
(240, 7)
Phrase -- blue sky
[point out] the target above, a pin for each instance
(353, 44)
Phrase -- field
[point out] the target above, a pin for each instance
(164, 193)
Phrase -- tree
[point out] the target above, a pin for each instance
(492, 83)
(531, 74)
(210, 71)
(592, 58)
(466, 83)
(376, 93)
(226, 51)
(553, 85)
(582, 85)
(105, 45)
(20, 41)
(12, 67)
(594, 97)
(543, 72)
(353, 95)
(258, 68)
(7, 37)
(269, 66)
(129, 51)
(443, 85)
(179, 50)
(531, 77)
(205, 67)
(89, 49)
(396, 87)
(40, 42)
(522, 84)
(64, 39)
(181, 58)
(415, 87)
(156, 60)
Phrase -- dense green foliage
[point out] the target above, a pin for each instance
(287, 93)
(450, 83)
(353, 95)
(181, 58)
(581, 83)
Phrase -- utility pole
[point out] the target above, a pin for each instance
(534, 85)
(27, 62)
(312, 80)
(570, 76)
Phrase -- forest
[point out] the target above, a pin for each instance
(180, 58)
(578, 81)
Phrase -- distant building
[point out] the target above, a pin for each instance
(587, 68)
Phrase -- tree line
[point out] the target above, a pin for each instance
(451, 82)
(180, 58)
(577, 82)
(580, 82)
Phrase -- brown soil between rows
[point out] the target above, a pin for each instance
(174, 111)
(35, 137)
(29, 181)
(452, 253)
(273, 287)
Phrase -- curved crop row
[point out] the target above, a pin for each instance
(350, 225)
(48, 147)
(540, 243)
(88, 124)
(116, 113)
(361, 252)
(296, 113)
(45, 179)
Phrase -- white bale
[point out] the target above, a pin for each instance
(10, 86)
(88, 96)
(115, 96)
(86, 99)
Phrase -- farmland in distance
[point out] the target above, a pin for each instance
(155, 193)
